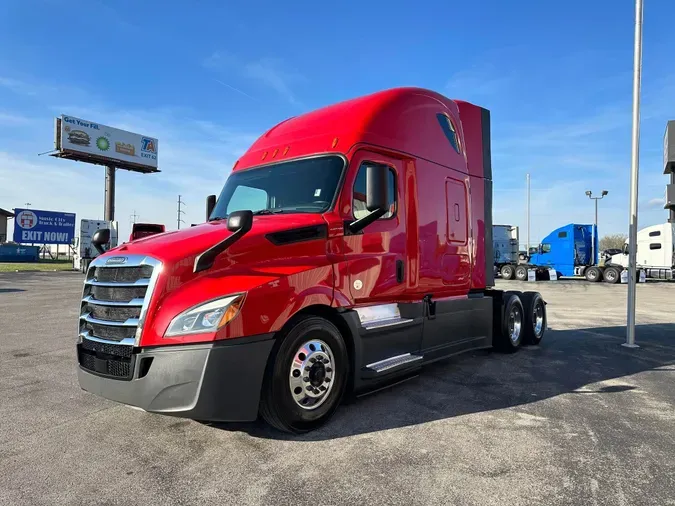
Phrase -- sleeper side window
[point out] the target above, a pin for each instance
(359, 201)
(449, 130)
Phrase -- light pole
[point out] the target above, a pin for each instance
(589, 194)
(634, 171)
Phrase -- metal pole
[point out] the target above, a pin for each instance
(634, 172)
(109, 207)
(595, 234)
(527, 248)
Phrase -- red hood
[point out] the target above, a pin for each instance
(172, 247)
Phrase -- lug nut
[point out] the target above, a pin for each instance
(327, 380)
(305, 379)
(322, 388)
(312, 360)
(309, 388)
(328, 369)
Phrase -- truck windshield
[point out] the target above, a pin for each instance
(299, 186)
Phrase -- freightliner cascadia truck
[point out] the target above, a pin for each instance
(349, 247)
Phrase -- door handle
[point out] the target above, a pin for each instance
(399, 271)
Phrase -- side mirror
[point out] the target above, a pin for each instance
(240, 221)
(100, 237)
(376, 188)
(625, 249)
(210, 205)
(376, 196)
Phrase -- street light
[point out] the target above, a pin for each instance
(589, 194)
(634, 173)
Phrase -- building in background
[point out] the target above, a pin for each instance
(4, 216)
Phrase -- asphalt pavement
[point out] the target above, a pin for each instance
(576, 420)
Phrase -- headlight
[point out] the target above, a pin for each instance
(207, 317)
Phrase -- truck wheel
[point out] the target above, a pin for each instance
(521, 273)
(534, 309)
(593, 274)
(509, 331)
(612, 275)
(507, 271)
(306, 376)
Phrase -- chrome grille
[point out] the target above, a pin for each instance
(114, 302)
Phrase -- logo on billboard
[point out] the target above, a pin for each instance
(125, 149)
(103, 144)
(27, 219)
(148, 145)
(116, 260)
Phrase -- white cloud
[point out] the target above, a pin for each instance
(267, 72)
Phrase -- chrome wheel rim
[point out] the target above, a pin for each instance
(610, 275)
(592, 275)
(515, 324)
(538, 319)
(312, 374)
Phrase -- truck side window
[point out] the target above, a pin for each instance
(655, 245)
(359, 203)
(562, 235)
(655, 233)
(246, 197)
(545, 248)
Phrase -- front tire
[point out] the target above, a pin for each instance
(306, 376)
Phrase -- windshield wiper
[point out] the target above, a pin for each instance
(268, 211)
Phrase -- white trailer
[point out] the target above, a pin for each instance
(84, 249)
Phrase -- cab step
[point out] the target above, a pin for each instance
(393, 363)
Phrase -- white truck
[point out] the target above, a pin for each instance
(84, 249)
(655, 254)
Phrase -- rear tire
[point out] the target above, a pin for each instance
(534, 309)
(611, 275)
(306, 376)
(509, 327)
(507, 271)
(521, 273)
(593, 274)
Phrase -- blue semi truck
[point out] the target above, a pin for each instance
(570, 250)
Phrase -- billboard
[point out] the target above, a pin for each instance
(86, 141)
(32, 226)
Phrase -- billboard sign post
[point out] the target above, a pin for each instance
(32, 226)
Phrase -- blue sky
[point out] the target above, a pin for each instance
(208, 80)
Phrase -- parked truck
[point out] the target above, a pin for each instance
(568, 250)
(571, 251)
(349, 247)
(140, 230)
(655, 255)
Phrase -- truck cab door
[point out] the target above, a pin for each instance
(375, 259)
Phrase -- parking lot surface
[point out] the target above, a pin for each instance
(576, 420)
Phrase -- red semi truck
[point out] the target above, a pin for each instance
(348, 247)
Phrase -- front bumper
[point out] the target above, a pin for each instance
(218, 382)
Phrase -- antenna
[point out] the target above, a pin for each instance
(180, 203)
(133, 217)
